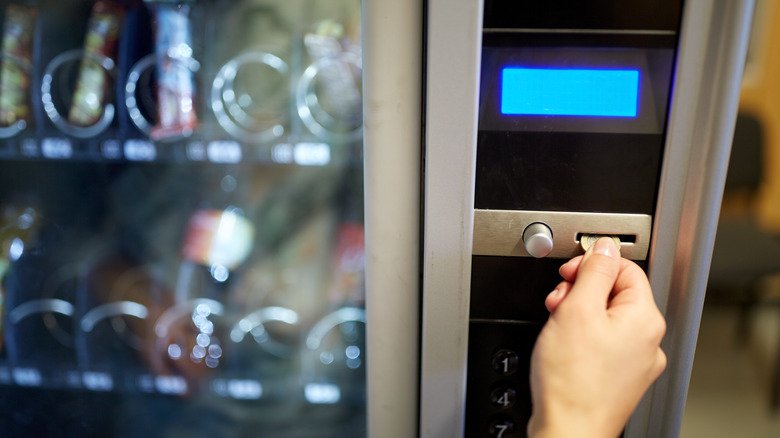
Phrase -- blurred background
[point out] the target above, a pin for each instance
(735, 383)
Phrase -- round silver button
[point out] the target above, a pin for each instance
(538, 240)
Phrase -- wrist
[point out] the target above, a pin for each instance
(568, 424)
(564, 431)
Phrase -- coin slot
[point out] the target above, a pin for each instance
(624, 238)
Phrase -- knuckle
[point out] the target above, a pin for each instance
(660, 363)
(659, 323)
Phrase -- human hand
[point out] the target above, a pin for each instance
(600, 349)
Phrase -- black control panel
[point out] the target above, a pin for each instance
(574, 99)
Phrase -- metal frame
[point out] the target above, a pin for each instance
(392, 101)
(706, 89)
(453, 51)
(711, 57)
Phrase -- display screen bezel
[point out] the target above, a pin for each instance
(653, 66)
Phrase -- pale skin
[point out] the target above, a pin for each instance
(600, 349)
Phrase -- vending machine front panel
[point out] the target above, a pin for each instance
(589, 119)
(570, 145)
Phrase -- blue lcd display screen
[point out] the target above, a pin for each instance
(569, 92)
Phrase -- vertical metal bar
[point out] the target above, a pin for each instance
(454, 39)
(712, 50)
(392, 101)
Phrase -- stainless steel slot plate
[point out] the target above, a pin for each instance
(500, 232)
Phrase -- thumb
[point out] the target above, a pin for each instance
(596, 275)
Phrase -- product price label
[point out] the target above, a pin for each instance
(140, 150)
(27, 377)
(224, 152)
(111, 149)
(97, 381)
(57, 148)
(196, 151)
(29, 148)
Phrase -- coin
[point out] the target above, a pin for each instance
(588, 240)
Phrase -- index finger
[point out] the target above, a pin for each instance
(569, 269)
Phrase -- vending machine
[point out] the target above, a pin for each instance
(544, 125)
(322, 218)
(181, 219)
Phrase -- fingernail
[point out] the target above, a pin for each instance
(605, 246)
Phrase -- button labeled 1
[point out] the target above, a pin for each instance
(505, 362)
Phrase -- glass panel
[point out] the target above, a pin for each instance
(181, 219)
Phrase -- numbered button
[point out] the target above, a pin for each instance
(502, 427)
(503, 397)
(505, 362)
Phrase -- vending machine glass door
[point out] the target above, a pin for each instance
(181, 219)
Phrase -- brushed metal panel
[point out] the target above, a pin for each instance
(500, 232)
